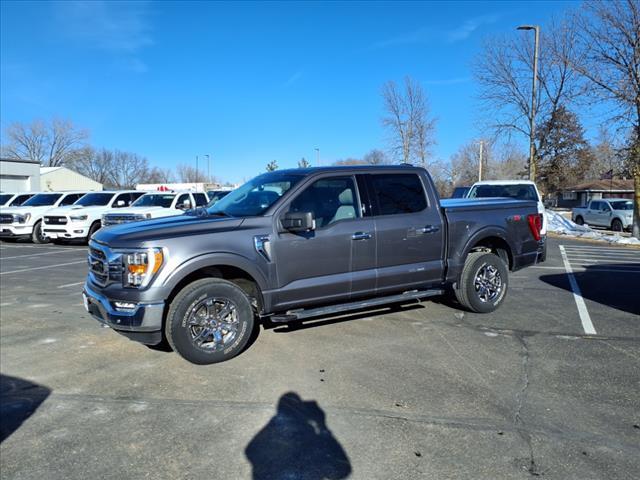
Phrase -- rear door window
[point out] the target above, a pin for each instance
(201, 199)
(397, 193)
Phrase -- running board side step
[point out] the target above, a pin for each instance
(293, 315)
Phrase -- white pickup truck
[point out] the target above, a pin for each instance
(26, 220)
(613, 213)
(155, 205)
(82, 219)
(14, 199)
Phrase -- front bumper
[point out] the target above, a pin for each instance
(142, 323)
(69, 230)
(15, 230)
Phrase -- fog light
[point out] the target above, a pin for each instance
(125, 305)
(77, 231)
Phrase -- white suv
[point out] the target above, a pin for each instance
(517, 189)
(26, 220)
(155, 205)
(82, 219)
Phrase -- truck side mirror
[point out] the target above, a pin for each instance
(186, 205)
(298, 221)
(120, 203)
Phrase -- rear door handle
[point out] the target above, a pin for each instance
(361, 236)
(429, 229)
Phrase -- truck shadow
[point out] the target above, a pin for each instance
(337, 318)
(19, 399)
(604, 284)
(296, 443)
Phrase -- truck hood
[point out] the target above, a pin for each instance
(69, 209)
(152, 232)
(34, 211)
(142, 210)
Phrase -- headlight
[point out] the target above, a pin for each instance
(141, 266)
(78, 218)
(21, 218)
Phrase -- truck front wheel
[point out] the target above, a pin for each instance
(483, 282)
(37, 236)
(209, 321)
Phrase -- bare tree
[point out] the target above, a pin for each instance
(129, 169)
(504, 72)
(98, 165)
(411, 130)
(272, 166)
(609, 58)
(375, 157)
(53, 143)
(187, 173)
(303, 163)
(159, 175)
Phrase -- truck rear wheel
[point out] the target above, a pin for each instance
(209, 321)
(483, 283)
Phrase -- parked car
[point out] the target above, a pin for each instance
(26, 220)
(14, 199)
(460, 192)
(518, 189)
(154, 205)
(294, 244)
(82, 219)
(613, 213)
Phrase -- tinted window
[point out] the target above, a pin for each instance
(329, 199)
(595, 206)
(201, 199)
(94, 199)
(71, 199)
(42, 200)
(523, 191)
(123, 197)
(183, 198)
(20, 199)
(628, 205)
(5, 198)
(398, 193)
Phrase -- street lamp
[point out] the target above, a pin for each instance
(208, 169)
(532, 118)
(317, 156)
(196, 168)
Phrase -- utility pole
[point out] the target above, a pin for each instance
(480, 162)
(196, 168)
(532, 117)
(208, 169)
(317, 157)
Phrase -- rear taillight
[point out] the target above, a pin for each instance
(535, 225)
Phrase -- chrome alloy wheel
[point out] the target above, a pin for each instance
(213, 323)
(488, 283)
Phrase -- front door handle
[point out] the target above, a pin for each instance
(429, 229)
(361, 236)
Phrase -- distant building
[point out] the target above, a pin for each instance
(61, 178)
(580, 195)
(19, 175)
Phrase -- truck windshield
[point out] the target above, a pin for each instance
(154, 200)
(628, 205)
(95, 199)
(521, 191)
(256, 196)
(42, 200)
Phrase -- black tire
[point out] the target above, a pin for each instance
(37, 236)
(579, 220)
(616, 225)
(185, 307)
(95, 226)
(466, 292)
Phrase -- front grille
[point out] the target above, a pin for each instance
(123, 218)
(103, 268)
(55, 220)
(6, 218)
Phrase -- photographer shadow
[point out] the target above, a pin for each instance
(296, 443)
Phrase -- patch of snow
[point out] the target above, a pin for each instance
(560, 225)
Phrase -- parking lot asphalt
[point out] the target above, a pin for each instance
(546, 386)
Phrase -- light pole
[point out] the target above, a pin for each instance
(532, 118)
(317, 157)
(208, 169)
(480, 162)
(196, 168)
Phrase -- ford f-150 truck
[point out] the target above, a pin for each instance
(301, 243)
(613, 213)
(155, 205)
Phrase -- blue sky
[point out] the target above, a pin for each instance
(246, 82)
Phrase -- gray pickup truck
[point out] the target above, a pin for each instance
(294, 244)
